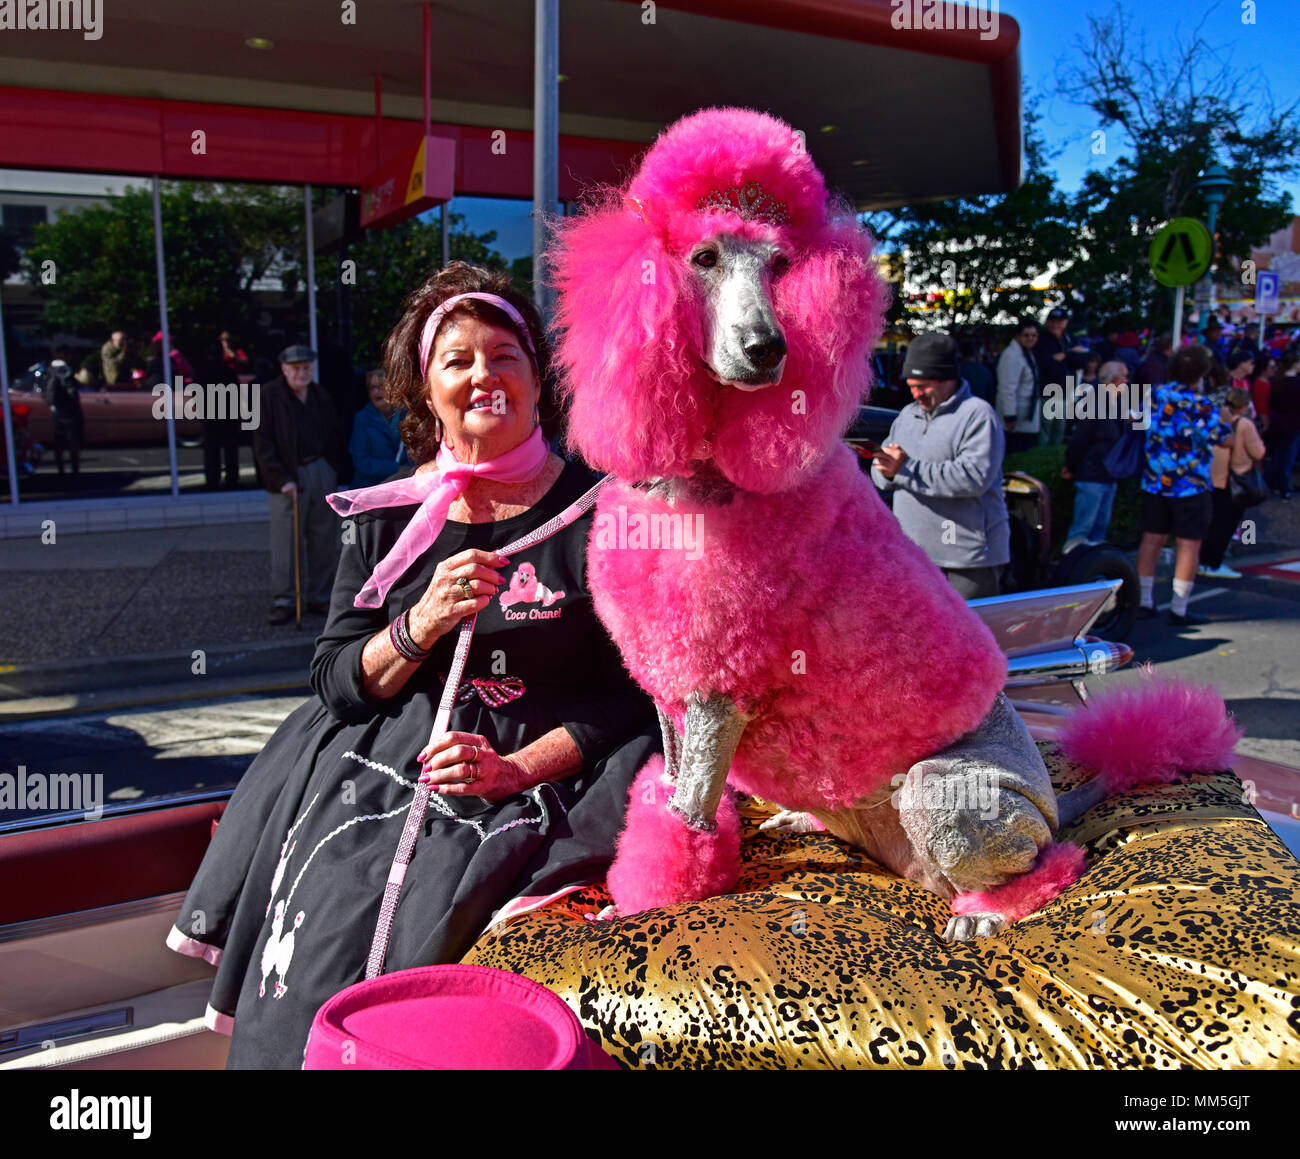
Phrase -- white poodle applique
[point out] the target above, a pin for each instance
(526, 588)
(278, 951)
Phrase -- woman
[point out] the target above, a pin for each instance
(1283, 435)
(1085, 458)
(530, 782)
(1018, 389)
(1261, 389)
(1185, 428)
(376, 443)
(1243, 452)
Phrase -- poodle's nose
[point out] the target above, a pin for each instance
(764, 349)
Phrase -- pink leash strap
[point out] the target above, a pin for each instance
(420, 804)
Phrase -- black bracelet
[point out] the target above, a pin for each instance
(399, 633)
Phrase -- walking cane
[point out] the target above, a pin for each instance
(297, 579)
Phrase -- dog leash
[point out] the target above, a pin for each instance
(420, 805)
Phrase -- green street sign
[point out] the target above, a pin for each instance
(1180, 253)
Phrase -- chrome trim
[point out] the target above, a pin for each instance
(1035, 593)
(37, 821)
(1045, 619)
(1087, 657)
(100, 915)
(80, 1026)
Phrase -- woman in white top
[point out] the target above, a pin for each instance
(1018, 390)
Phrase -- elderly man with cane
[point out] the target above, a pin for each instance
(299, 448)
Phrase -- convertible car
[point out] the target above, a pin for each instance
(1177, 948)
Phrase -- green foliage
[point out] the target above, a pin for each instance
(1168, 111)
(1046, 464)
(981, 253)
(219, 242)
(393, 262)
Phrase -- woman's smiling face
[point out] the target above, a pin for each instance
(482, 388)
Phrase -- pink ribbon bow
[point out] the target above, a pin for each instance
(434, 491)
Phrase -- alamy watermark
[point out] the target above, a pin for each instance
(84, 16)
(981, 15)
(1077, 400)
(58, 792)
(660, 531)
(212, 400)
(972, 791)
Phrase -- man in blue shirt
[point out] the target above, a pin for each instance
(376, 446)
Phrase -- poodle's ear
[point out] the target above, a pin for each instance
(831, 305)
(629, 328)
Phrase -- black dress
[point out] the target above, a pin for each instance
(288, 894)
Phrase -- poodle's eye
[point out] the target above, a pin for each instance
(780, 265)
(706, 259)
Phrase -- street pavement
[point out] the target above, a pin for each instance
(100, 631)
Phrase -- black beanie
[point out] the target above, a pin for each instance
(931, 355)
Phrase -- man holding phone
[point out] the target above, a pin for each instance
(943, 461)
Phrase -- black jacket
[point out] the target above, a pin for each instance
(1087, 448)
(275, 441)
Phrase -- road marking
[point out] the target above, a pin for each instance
(1194, 598)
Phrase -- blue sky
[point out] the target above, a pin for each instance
(1048, 31)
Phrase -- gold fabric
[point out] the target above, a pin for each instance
(1177, 948)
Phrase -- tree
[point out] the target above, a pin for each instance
(978, 256)
(392, 262)
(1172, 113)
(219, 240)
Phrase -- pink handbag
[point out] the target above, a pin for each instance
(450, 1018)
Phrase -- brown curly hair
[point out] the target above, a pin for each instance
(404, 384)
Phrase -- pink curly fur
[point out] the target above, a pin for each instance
(640, 398)
(660, 860)
(1057, 867)
(1152, 731)
(848, 647)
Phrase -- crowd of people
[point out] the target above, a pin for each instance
(1208, 429)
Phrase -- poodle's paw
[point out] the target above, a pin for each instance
(788, 821)
(964, 927)
(661, 860)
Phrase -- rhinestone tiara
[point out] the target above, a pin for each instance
(750, 200)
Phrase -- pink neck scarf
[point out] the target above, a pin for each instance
(434, 491)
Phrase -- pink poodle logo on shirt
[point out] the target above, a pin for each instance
(526, 588)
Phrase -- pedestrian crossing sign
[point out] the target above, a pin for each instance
(1180, 253)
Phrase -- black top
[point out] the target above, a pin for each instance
(291, 885)
(540, 629)
(313, 425)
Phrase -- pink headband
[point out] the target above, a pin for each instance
(431, 326)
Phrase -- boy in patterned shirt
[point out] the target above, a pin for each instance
(1185, 429)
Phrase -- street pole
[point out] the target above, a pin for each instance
(311, 273)
(9, 422)
(546, 139)
(1178, 316)
(166, 333)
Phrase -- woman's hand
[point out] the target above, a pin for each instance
(445, 601)
(463, 764)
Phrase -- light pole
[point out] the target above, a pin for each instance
(1214, 183)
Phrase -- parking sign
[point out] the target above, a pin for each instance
(1267, 287)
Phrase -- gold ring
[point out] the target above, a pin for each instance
(464, 587)
(474, 759)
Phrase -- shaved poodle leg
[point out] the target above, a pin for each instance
(980, 811)
(672, 742)
(713, 730)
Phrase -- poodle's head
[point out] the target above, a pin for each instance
(720, 306)
(524, 575)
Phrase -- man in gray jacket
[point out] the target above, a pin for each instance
(943, 462)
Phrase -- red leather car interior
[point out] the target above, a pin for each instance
(96, 863)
